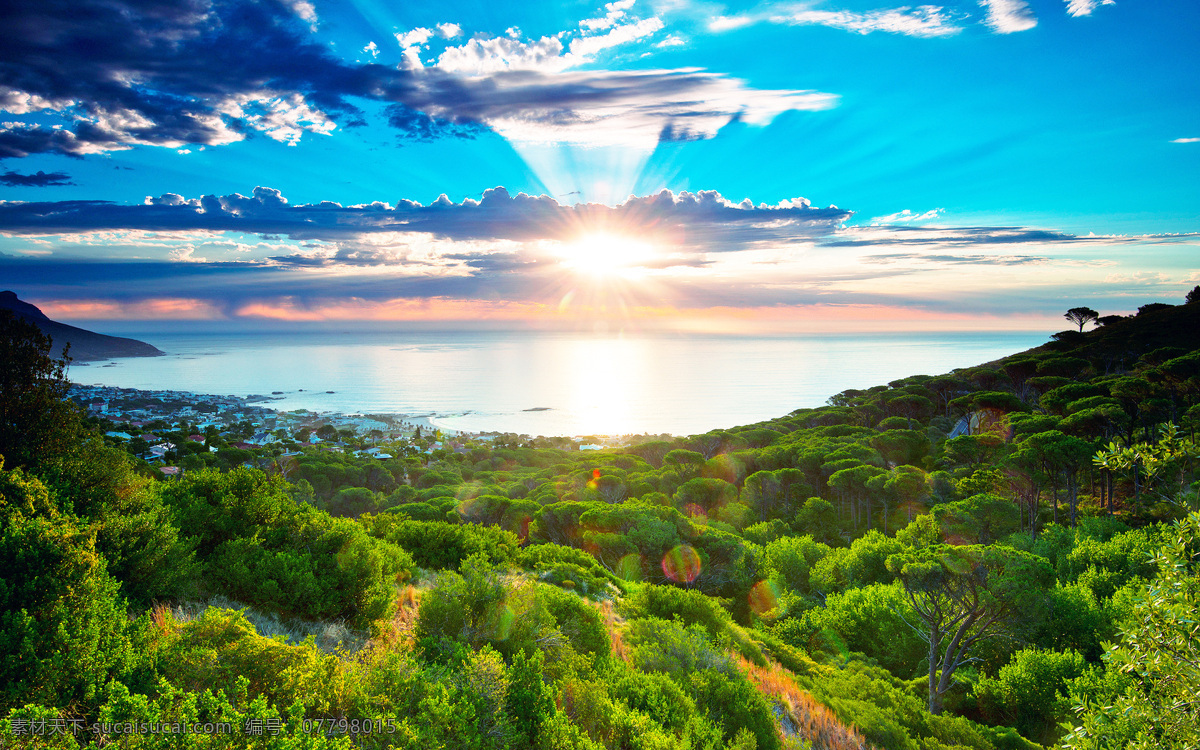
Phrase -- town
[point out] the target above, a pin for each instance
(178, 431)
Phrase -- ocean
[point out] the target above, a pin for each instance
(541, 383)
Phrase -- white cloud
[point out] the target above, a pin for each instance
(672, 40)
(414, 38)
(584, 48)
(924, 21)
(1085, 7)
(616, 11)
(908, 216)
(17, 102)
(484, 56)
(634, 109)
(284, 118)
(303, 10)
(528, 90)
(1186, 140)
(449, 30)
(1008, 16)
(729, 23)
(410, 59)
(371, 49)
(480, 57)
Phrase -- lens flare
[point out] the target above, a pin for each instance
(500, 621)
(629, 567)
(763, 597)
(681, 564)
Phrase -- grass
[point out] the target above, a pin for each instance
(800, 716)
(329, 636)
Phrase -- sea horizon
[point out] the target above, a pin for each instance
(541, 382)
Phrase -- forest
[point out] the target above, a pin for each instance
(1004, 556)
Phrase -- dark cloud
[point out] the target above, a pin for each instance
(700, 221)
(418, 126)
(953, 236)
(977, 260)
(175, 72)
(38, 179)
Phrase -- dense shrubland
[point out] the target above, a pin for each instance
(999, 557)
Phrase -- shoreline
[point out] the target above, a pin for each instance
(234, 408)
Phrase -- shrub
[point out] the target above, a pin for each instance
(441, 546)
(874, 620)
(1030, 692)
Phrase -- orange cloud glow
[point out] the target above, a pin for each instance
(819, 318)
(147, 309)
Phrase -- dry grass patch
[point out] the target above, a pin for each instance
(800, 716)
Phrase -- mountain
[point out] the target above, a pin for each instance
(86, 346)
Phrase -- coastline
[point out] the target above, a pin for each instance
(529, 384)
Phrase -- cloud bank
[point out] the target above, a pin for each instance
(926, 21)
(92, 76)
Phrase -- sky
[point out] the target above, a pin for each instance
(754, 167)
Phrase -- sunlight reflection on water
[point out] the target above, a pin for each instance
(548, 384)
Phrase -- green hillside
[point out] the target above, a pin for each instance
(999, 557)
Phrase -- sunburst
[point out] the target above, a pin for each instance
(605, 255)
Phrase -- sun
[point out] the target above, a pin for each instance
(605, 255)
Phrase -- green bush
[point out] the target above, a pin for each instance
(875, 620)
(63, 629)
(1030, 693)
(441, 546)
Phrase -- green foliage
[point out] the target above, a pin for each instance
(1162, 467)
(1030, 692)
(789, 560)
(63, 629)
(674, 649)
(578, 621)
(463, 613)
(335, 572)
(221, 650)
(706, 494)
(1159, 653)
(36, 423)
(730, 701)
(864, 562)
(443, 546)
(134, 529)
(570, 568)
(528, 701)
(979, 519)
(259, 546)
(965, 594)
(876, 620)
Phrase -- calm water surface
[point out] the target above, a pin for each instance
(577, 384)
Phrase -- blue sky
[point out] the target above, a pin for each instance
(826, 165)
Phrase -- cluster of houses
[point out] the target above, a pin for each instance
(247, 424)
(241, 422)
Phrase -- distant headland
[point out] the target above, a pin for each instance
(86, 346)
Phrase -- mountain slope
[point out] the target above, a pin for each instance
(86, 346)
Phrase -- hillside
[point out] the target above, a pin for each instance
(86, 346)
(996, 558)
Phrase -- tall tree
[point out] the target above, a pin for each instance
(1080, 316)
(966, 594)
(36, 423)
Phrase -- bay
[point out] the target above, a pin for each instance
(541, 383)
